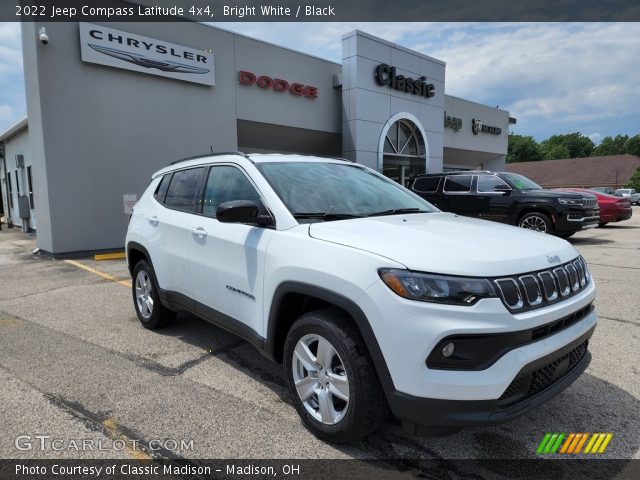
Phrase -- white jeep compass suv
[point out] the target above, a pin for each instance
(370, 297)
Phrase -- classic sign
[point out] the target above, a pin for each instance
(387, 77)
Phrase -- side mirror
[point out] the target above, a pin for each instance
(504, 189)
(241, 211)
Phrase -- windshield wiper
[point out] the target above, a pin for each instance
(396, 211)
(325, 215)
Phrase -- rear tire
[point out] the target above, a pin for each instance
(536, 221)
(337, 394)
(602, 224)
(146, 301)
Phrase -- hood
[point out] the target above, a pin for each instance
(557, 194)
(582, 192)
(449, 244)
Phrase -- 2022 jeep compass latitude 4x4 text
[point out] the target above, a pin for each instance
(371, 298)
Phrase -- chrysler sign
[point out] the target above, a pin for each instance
(115, 48)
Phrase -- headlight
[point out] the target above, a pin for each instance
(436, 288)
(571, 201)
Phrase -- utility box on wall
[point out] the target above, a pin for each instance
(24, 209)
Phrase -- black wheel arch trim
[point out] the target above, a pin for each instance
(526, 209)
(339, 301)
(136, 246)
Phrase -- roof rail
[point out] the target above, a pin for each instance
(343, 159)
(212, 154)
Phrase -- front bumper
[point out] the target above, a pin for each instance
(560, 369)
(577, 219)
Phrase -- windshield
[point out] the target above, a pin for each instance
(331, 191)
(518, 182)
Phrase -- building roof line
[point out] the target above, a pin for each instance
(14, 129)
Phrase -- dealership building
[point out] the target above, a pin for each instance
(109, 104)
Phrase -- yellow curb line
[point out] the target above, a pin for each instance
(110, 256)
(126, 283)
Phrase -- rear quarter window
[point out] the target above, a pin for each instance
(161, 189)
(426, 184)
(458, 184)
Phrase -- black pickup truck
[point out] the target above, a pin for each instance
(508, 198)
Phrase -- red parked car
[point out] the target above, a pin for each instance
(612, 207)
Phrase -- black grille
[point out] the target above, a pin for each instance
(524, 386)
(544, 287)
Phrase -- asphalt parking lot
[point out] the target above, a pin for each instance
(76, 364)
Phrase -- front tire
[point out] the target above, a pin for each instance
(536, 221)
(331, 378)
(144, 288)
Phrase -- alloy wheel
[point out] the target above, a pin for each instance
(320, 379)
(534, 222)
(144, 298)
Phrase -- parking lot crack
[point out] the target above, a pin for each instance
(630, 322)
(26, 295)
(102, 422)
(614, 266)
(167, 371)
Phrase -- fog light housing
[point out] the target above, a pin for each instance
(448, 350)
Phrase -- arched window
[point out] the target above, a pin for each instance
(404, 153)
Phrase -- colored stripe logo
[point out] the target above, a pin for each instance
(574, 443)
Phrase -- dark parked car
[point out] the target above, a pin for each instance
(612, 208)
(607, 190)
(508, 198)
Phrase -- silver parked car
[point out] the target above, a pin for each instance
(630, 193)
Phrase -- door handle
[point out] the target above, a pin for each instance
(154, 220)
(199, 232)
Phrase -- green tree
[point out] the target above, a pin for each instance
(554, 151)
(523, 149)
(575, 143)
(611, 146)
(632, 145)
(634, 181)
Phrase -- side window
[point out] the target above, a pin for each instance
(488, 183)
(426, 184)
(10, 189)
(226, 183)
(30, 187)
(182, 193)
(163, 186)
(458, 183)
